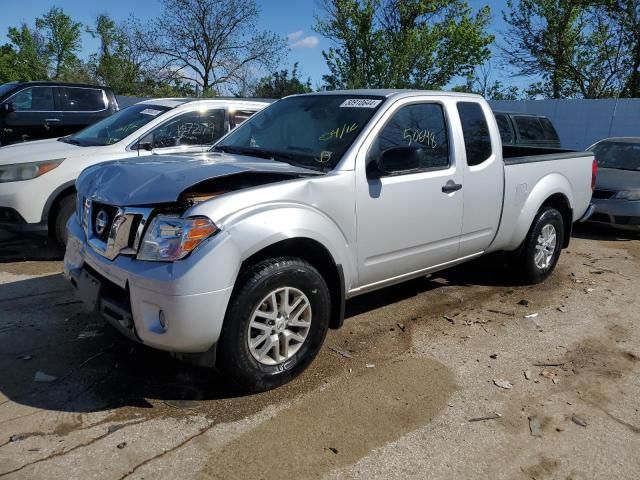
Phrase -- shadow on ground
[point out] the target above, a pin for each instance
(591, 231)
(18, 246)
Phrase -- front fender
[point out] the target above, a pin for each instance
(256, 228)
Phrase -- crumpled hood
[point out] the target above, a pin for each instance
(38, 150)
(615, 179)
(161, 179)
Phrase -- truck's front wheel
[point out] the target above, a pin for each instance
(275, 324)
(541, 248)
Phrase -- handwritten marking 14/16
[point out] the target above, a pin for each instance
(424, 137)
(339, 132)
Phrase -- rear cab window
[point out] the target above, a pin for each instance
(529, 128)
(477, 140)
(504, 126)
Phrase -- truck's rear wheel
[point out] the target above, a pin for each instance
(275, 324)
(64, 211)
(541, 248)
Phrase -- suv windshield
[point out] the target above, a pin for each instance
(311, 131)
(620, 155)
(116, 127)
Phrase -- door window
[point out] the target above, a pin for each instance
(83, 99)
(190, 128)
(477, 141)
(35, 99)
(239, 116)
(420, 129)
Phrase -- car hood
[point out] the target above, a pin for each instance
(38, 150)
(615, 179)
(161, 179)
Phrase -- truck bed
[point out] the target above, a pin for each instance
(531, 174)
(513, 155)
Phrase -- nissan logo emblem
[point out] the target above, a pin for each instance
(101, 222)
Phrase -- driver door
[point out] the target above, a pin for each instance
(409, 220)
(189, 132)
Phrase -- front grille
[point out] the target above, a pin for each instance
(102, 217)
(602, 194)
(113, 231)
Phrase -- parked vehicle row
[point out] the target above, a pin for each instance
(237, 248)
(29, 198)
(243, 257)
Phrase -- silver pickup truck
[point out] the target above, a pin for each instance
(243, 257)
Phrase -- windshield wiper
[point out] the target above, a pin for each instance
(268, 154)
(255, 152)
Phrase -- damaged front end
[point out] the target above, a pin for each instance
(137, 208)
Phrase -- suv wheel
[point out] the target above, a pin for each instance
(541, 248)
(64, 211)
(275, 325)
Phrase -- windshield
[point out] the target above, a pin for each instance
(620, 155)
(311, 131)
(117, 126)
(7, 87)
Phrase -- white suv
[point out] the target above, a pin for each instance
(37, 179)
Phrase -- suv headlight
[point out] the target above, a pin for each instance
(26, 171)
(172, 238)
(628, 195)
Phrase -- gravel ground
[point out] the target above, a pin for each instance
(417, 394)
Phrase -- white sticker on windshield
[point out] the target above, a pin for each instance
(360, 103)
(151, 111)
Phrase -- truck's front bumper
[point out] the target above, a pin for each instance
(167, 317)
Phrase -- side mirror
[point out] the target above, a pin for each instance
(398, 159)
(146, 143)
(7, 107)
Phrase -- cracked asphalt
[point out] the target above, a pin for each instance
(406, 389)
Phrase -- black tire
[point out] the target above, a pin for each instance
(527, 270)
(65, 209)
(234, 358)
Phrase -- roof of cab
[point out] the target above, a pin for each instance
(394, 92)
(176, 102)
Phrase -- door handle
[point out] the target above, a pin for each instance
(51, 120)
(451, 187)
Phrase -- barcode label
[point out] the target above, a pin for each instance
(360, 103)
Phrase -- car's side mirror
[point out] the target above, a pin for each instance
(146, 143)
(397, 159)
(7, 107)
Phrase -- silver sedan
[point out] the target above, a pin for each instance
(617, 195)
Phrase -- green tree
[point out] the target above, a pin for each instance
(63, 40)
(575, 46)
(24, 58)
(626, 14)
(402, 43)
(280, 84)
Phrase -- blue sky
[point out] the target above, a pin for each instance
(292, 18)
